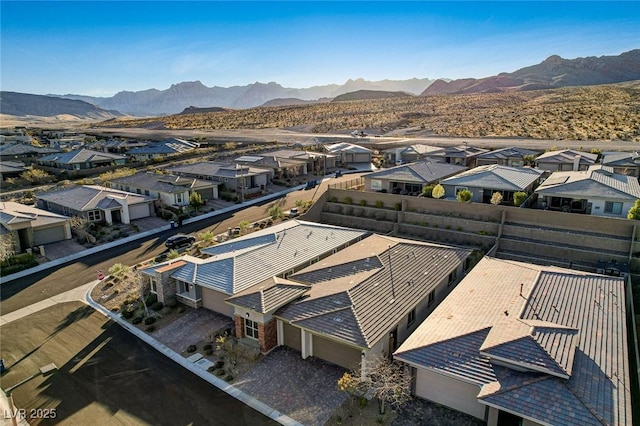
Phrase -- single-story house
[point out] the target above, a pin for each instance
(597, 191)
(116, 146)
(348, 153)
(11, 169)
(316, 161)
(235, 177)
(241, 263)
(23, 152)
(30, 226)
(484, 181)
(511, 157)
(463, 155)
(624, 163)
(82, 159)
(282, 168)
(97, 204)
(410, 154)
(362, 302)
(161, 149)
(517, 343)
(410, 178)
(565, 160)
(171, 190)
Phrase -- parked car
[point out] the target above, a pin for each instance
(177, 241)
(292, 213)
(311, 184)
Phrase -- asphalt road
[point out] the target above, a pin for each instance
(106, 376)
(34, 288)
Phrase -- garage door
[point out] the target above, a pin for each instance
(48, 235)
(139, 211)
(292, 337)
(450, 392)
(336, 353)
(214, 300)
(206, 193)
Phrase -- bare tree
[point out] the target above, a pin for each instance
(6, 247)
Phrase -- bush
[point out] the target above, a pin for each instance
(219, 373)
(149, 320)
(126, 313)
(157, 306)
(228, 378)
(165, 310)
(518, 198)
(180, 309)
(192, 348)
(397, 206)
(333, 199)
(427, 191)
(347, 200)
(211, 369)
(379, 204)
(208, 352)
(151, 328)
(151, 299)
(171, 302)
(363, 202)
(207, 347)
(219, 364)
(136, 320)
(464, 196)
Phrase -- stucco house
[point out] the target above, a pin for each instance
(280, 167)
(23, 152)
(624, 163)
(484, 181)
(410, 154)
(97, 204)
(161, 149)
(236, 177)
(463, 155)
(11, 169)
(565, 160)
(517, 343)
(171, 190)
(597, 191)
(81, 159)
(348, 153)
(30, 226)
(410, 178)
(511, 157)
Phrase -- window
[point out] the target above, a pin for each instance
(452, 277)
(138, 191)
(411, 318)
(431, 298)
(613, 208)
(93, 215)
(154, 285)
(178, 198)
(251, 328)
(146, 192)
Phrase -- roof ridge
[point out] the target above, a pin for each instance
(94, 197)
(591, 410)
(522, 384)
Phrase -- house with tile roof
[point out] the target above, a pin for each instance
(81, 159)
(511, 157)
(30, 226)
(462, 155)
(241, 263)
(281, 168)
(516, 343)
(624, 163)
(11, 169)
(171, 190)
(484, 181)
(565, 160)
(596, 191)
(410, 178)
(410, 154)
(348, 153)
(23, 152)
(242, 179)
(96, 203)
(161, 149)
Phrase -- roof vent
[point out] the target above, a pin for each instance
(337, 302)
(337, 319)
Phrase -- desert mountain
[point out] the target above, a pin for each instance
(292, 101)
(359, 95)
(196, 110)
(21, 104)
(553, 72)
(180, 96)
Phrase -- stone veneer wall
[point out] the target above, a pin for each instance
(166, 285)
(239, 321)
(268, 335)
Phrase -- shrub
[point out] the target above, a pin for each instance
(347, 200)
(207, 347)
(333, 199)
(165, 310)
(397, 206)
(136, 320)
(157, 306)
(151, 328)
(438, 191)
(220, 373)
(126, 313)
(180, 309)
(379, 204)
(149, 320)
(208, 352)
(363, 202)
(211, 369)
(219, 364)
(192, 348)
(519, 197)
(151, 299)
(427, 191)
(464, 196)
(228, 378)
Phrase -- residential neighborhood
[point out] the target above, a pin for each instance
(493, 305)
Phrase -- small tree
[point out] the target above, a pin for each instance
(496, 198)
(80, 227)
(6, 247)
(518, 198)
(634, 212)
(276, 212)
(438, 191)
(173, 254)
(348, 384)
(206, 236)
(427, 191)
(195, 201)
(388, 381)
(119, 270)
(464, 196)
(244, 225)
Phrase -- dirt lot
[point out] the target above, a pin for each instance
(106, 376)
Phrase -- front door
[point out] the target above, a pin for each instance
(393, 341)
(116, 216)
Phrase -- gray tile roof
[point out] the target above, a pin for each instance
(162, 183)
(90, 197)
(505, 153)
(169, 146)
(596, 182)
(567, 156)
(463, 151)
(210, 168)
(12, 213)
(12, 167)
(7, 149)
(81, 156)
(494, 176)
(337, 148)
(621, 159)
(270, 295)
(424, 172)
(369, 287)
(551, 302)
(232, 270)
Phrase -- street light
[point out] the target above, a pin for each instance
(44, 371)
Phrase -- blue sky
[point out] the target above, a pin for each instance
(100, 48)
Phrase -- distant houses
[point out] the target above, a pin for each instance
(410, 179)
(82, 159)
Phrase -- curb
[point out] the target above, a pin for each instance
(231, 390)
(97, 249)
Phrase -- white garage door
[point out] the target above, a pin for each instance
(450, 392)
(48, 235)
(138, 211)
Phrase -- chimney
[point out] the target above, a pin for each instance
(576, 162)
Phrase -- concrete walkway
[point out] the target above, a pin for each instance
(83, 294)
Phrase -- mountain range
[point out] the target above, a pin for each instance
(189, 97)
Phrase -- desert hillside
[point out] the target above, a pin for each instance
(606, 112)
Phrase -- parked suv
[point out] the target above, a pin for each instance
(179, 241)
